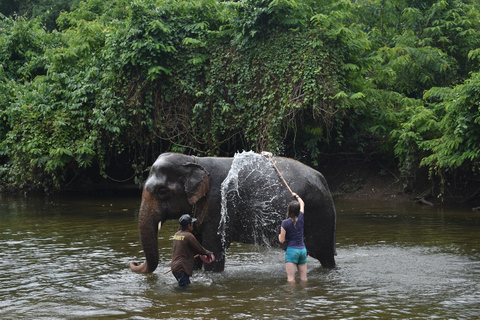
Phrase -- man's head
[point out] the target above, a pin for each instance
(185, 220)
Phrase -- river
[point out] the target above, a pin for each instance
(67, 257)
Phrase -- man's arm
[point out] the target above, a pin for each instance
(196, 247)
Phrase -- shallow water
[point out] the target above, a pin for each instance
(67, 258)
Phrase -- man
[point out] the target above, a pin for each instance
(185, 247)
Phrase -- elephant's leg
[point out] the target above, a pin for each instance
(320, 236)
(327, 260)
(213, 242)
(324, 255)
(198, 262)
(320, 246)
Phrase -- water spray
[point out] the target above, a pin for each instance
(247, 169)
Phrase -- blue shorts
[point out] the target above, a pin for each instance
(297, 256)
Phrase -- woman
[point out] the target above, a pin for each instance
(292, 232)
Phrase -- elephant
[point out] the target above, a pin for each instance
(240, 199)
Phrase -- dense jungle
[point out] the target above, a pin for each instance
(367, 91)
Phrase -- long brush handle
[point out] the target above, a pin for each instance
(270, 157)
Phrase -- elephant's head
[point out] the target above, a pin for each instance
(174, 185)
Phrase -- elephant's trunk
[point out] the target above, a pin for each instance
(148, 222)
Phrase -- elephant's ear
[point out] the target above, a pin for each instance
(197, 182)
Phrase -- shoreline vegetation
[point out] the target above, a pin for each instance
(357, 182)
(381, 96)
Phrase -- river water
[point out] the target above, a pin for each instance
(67, 258)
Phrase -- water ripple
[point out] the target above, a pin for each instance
(55, 264)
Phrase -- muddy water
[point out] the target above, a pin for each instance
(66, 258)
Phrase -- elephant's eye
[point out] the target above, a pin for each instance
(163, 191)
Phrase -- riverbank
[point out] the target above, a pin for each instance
(361, 181)
(347, 179)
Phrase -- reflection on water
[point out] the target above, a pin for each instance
(68, 258)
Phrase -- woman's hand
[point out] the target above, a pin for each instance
(302, 204)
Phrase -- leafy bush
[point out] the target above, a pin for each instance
(119, 82)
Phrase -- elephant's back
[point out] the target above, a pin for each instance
(300, 175)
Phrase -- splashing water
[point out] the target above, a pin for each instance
(254, 201)
(67, 258)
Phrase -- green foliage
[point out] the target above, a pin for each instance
(46, 11)
(422, 44)
(411, 70)
(59, 121)
(106, 12)
(425, 49)
(444, 134)
(458, 143)
(257, 18)
(417, 123)
(121, 81)
(21, 43)
(260, 93)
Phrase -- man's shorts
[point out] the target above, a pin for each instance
(183, 279)
(297, 256)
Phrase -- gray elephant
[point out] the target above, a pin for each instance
(241, 199)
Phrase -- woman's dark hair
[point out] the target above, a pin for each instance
(293, 210)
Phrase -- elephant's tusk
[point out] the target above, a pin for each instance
(159, 225)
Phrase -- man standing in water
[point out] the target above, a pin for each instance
(292, 232)
(185, 246)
